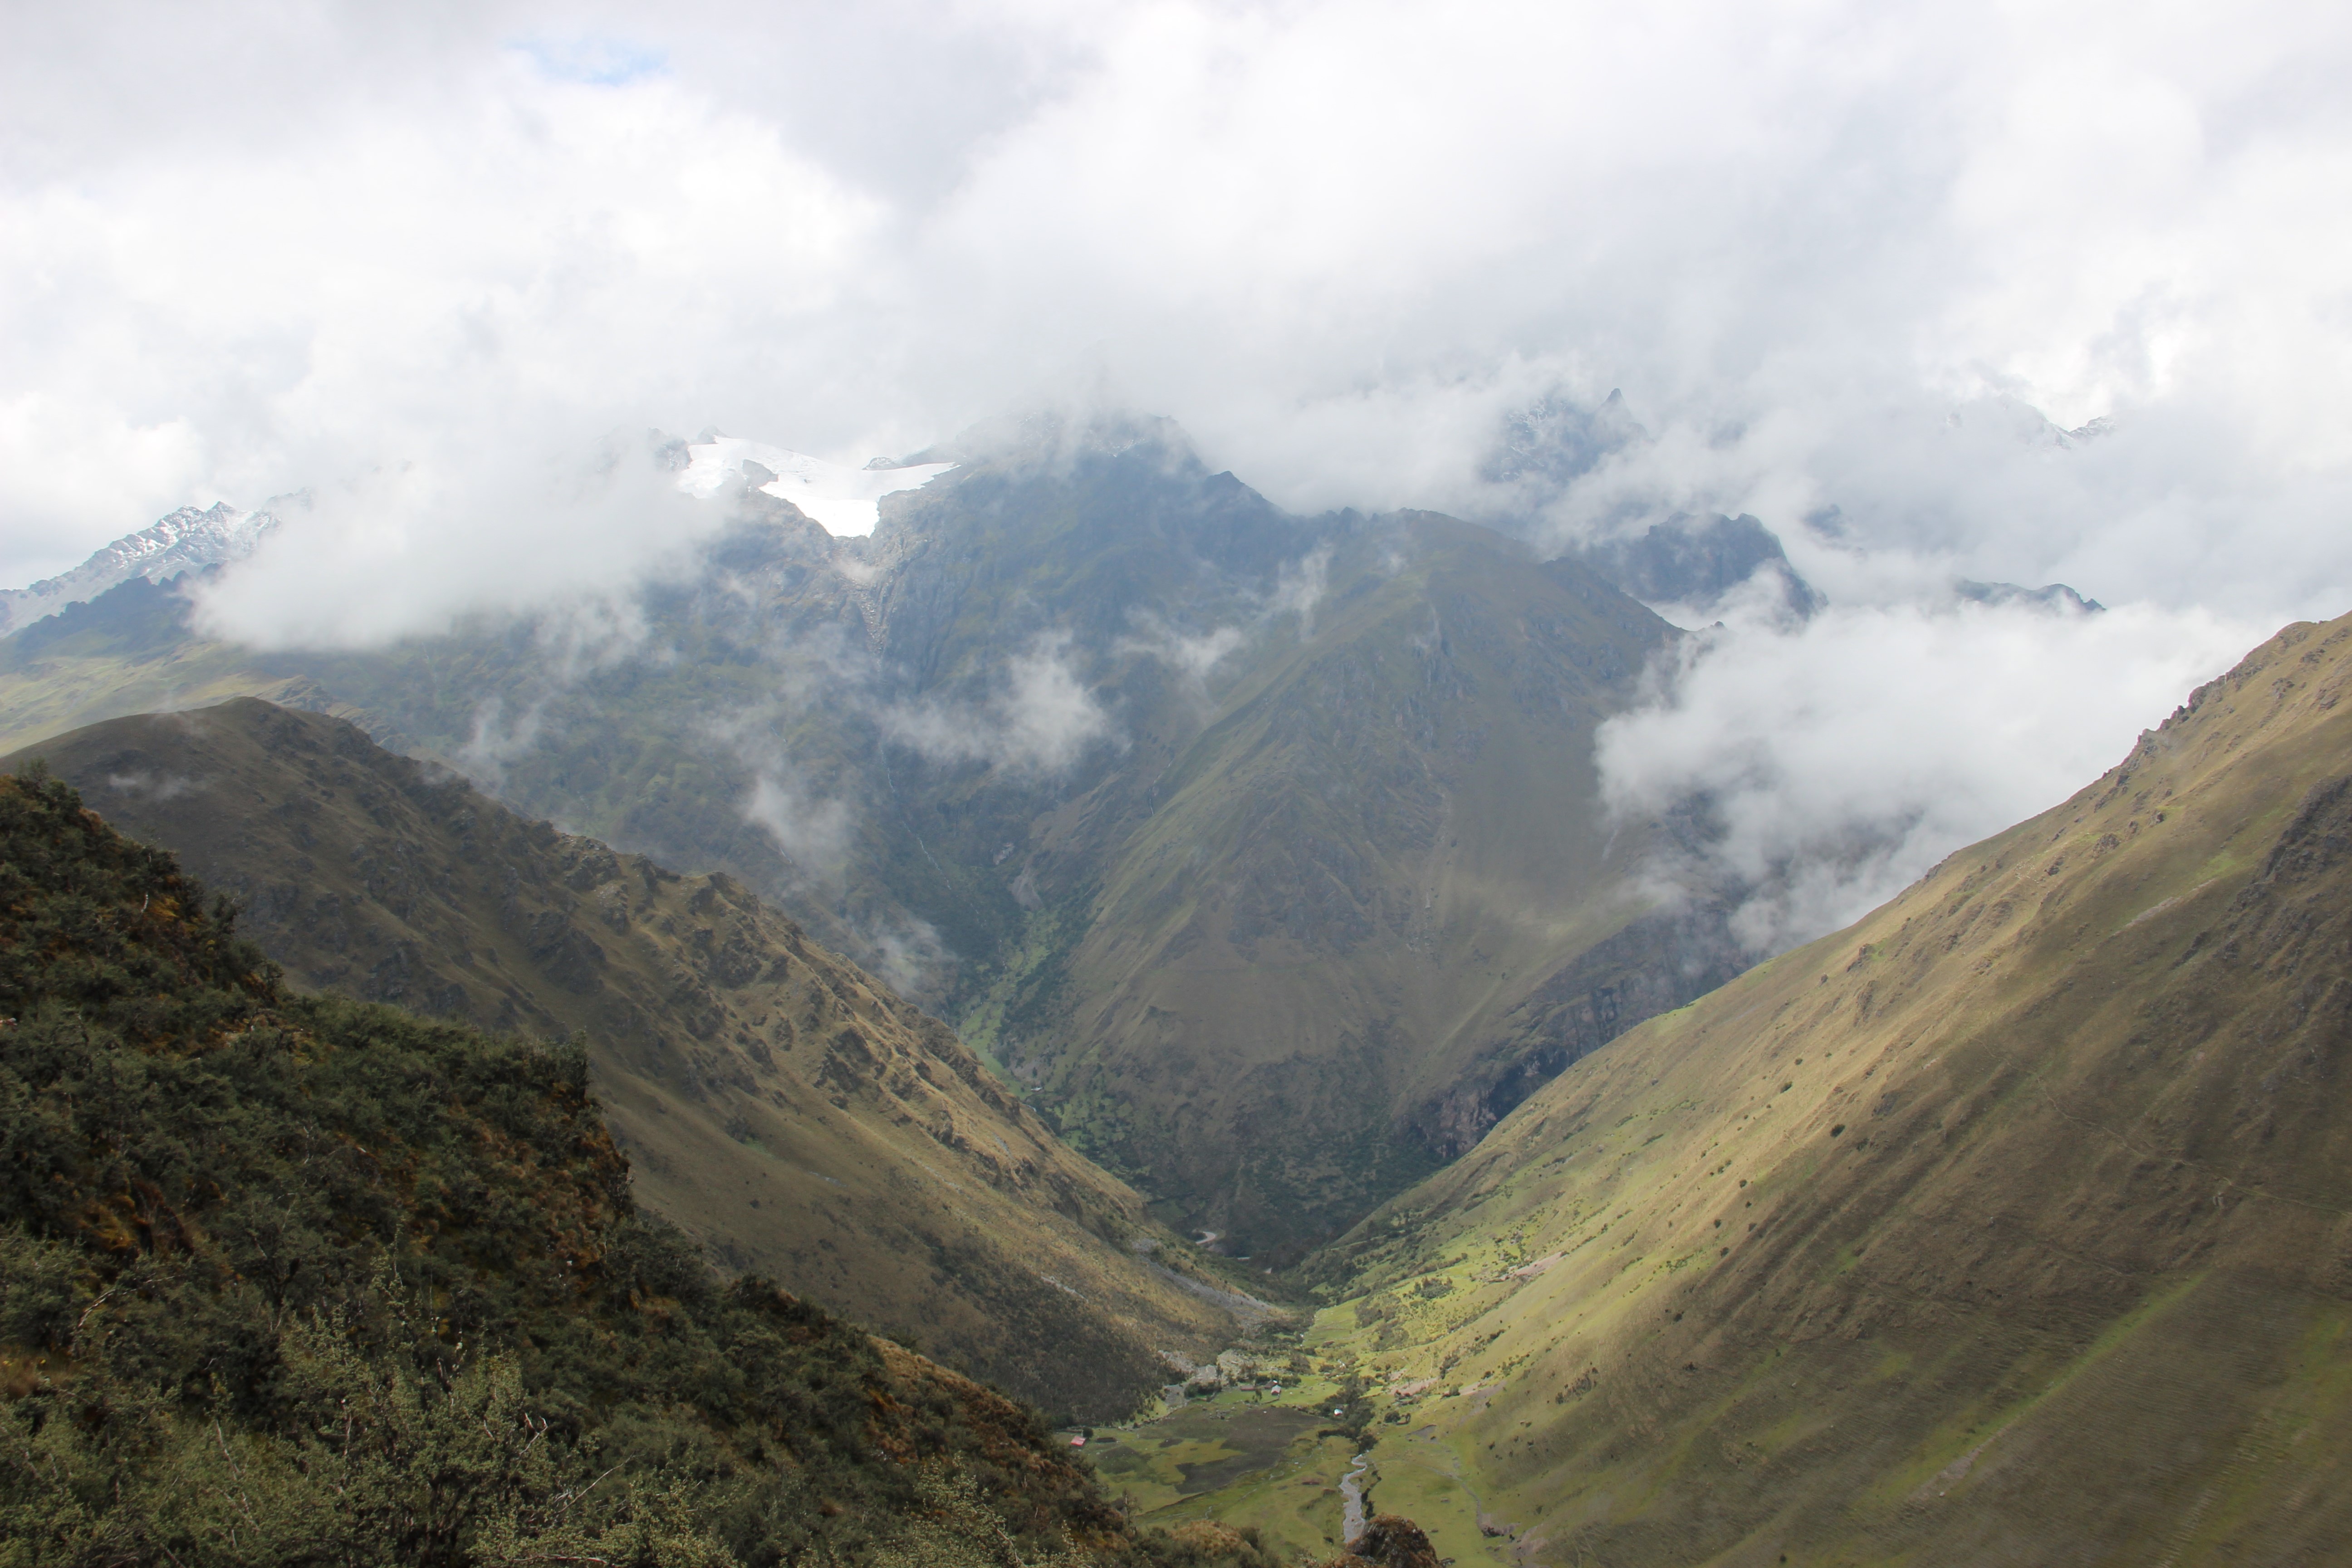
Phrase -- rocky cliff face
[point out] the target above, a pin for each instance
(1653, 965)
(1701, 562)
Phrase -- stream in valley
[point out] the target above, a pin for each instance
(1351, 1488)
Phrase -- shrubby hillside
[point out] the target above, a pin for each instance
(292, 1279)
(788, 1111)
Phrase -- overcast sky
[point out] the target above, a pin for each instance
(250, 247)
(431, 258)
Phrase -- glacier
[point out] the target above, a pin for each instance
(842, 501)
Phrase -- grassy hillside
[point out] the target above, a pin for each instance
(1314, 971)
(779, 1105)
(307, 1280)
(2013, 1224)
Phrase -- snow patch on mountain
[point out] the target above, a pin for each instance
(187, 540)
(840, 500)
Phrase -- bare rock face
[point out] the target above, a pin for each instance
(1653, 965)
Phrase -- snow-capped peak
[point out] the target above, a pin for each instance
(841, 500)
(187, 540)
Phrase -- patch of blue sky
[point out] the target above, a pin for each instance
(596, 59)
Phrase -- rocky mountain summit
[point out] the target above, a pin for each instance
(187, 540)
(1700, 563)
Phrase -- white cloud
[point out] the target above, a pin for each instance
(432, 306)
(462, 530)
(493, 741)
(813, 833)
(420, 259)
(1289, 604)
(1299, 588)
(1192, 655)
(1334, 240)
(1839, 763)
(1041, 718)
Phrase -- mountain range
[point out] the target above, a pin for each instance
(1263, 851)
(187, 541)
(950, 920)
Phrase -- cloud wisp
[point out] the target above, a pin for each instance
(1830, 767)
(1041, 718)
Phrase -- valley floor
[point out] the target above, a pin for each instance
(1274, 1464)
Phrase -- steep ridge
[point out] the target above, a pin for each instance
(2013, 1223)
(1332, 955)
(288, 1280)
(187, 539)
(787, 1110)
(1262, 849)
(1702, 563)
(635, 743)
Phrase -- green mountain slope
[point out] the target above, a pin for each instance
(2013, 1224)
(1311, 968)
(781, 1107)
(1279, 881)
(306, 1280)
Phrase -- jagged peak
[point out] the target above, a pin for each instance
(2056, 597)
(189, 539)
(1555, 439)
(1700, 563)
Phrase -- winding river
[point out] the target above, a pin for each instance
(1351, 1488)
